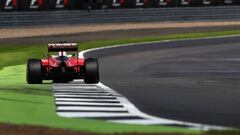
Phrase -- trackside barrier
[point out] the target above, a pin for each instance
(13, 19)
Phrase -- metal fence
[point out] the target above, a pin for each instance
(13, 19)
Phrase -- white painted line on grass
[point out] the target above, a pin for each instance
(83, 96)
(81, 99)
(89, 108)
(85, 103)
(80, 93)
(93, 114)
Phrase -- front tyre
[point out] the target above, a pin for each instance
(91, 74)
(34, 71)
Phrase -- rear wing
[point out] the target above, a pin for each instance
(56, 47)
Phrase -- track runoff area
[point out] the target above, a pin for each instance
(98, 101)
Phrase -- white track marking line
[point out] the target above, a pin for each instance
(90, 94)
(145, 121)
(80, 92)
(79, 81)
(77, 99)
(89, 108)
(85, 103)
(74, 87)
(83, 96)
(77, 90)
(93, 114)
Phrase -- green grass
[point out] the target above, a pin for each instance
(15, 55)
(21, 103)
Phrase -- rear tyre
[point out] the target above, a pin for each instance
(91, 71)
(34, 71)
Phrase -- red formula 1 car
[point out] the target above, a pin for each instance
(62, 67)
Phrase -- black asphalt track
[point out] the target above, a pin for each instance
(192, 80)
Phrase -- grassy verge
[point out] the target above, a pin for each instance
(15, 55)
(33, 104)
